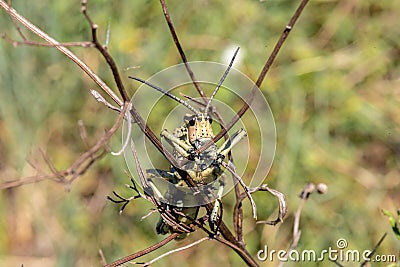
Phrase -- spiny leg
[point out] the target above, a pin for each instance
(179, 145)
(214, 212)
(160, 174)
(231, 142)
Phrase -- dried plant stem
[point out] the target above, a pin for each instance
(180, 49)
(365, 262)
(304, 195)
(34, 43)
(80, 165)
(263, 73)
(143, 252)
(103, 50)
(229, 167)
(176, 250)
(15, 15)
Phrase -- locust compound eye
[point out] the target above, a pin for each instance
(210, 120)
(192, 122)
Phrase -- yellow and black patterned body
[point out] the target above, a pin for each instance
(201, 167)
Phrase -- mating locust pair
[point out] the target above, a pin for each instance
(201, 159)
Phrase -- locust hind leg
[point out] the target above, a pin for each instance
(152, 176)
(160, 191)
(230, 143)
(181, 146)
(170, 195)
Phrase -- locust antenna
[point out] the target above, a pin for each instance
(221, 80)
(166, 93)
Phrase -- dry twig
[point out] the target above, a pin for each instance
(304, 195)
(78, 167)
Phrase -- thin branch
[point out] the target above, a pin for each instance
(21, 34)
(102, 49)
(238, 218)
(148, 214)
(34, 166)
(119, 199)
(282, 203)
(176, 250)
(244, 255)
(374, 250)
(15, 15)
(296, 232)
(237, 209)
(143, 252)
(29, 180)
(101, 99)
(78, 167)
(48, 162)
(35, 43)
(262, 75)
(104, 140)
(128, 135)
(230, 168)
(83, 134)
(338, 264)
(304, 195)
(102, 258)
(180, 49)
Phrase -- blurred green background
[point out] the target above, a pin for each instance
(334, 91)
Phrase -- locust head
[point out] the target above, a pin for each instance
(199, 127)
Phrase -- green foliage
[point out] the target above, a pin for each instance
(394, 221)
(334, 92)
